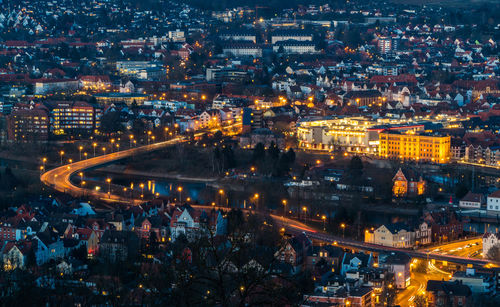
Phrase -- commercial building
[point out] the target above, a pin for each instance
(69, 117)
(28, 125)
(145, 70)
(218, 74)
(414, 146)
(351, 134)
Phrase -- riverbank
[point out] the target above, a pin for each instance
(120, 170)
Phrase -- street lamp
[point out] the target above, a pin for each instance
(43, 161)
(104, 150)
(323, 217)
(221, 193)
(131, 137)
(142, 189)
(284, 207)
(85, 155)
(94, 145)
(179, 189)
(61, 153)
(80, 149)
(108, 180)
(305, 213)
(343, 229)
(112, 144)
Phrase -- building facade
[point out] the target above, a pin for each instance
(414, 146)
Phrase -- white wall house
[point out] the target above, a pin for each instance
(493, 202)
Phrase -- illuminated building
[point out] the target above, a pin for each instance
(363, 98)
(352, 134)
(95, 83)
(73, 116)
(414, 146)
(407, 184)
(29, 125)
(127, 98)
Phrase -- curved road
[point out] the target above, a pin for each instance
(59, 179)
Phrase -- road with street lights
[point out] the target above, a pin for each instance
(59, 179)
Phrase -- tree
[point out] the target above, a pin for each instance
(259, 153)
(356, 165)
(110, 123)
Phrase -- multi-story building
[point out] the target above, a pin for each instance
(352, 134)
(414, 146)
(243, 49)
(145, 70)
(294, 46)
(239, 35)
(399, 265)
(95, 83)
(72, 117)
(447, 293)
(45, 86)
(363, 98)
(219, 74)
(284, 35)
(399, 235)
(28, 125)
(384, 45)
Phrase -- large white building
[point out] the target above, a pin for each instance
(243, 49)
(284, 35)
(294, 46)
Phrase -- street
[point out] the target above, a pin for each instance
(418, 284)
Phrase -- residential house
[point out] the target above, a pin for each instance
(118, 246)
(472, 201)
(477, 282)
(355, 261)
(407, 183)
(399, 265)
(493, 202)
(295, 251)
(447, 293)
